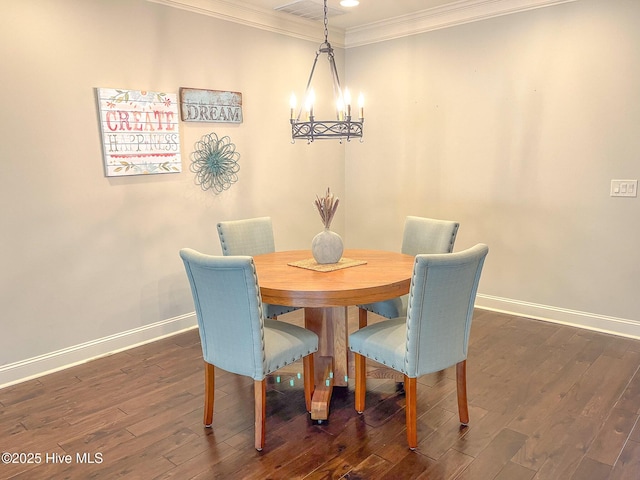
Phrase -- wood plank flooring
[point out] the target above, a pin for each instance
(546, 402)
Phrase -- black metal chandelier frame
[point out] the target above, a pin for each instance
(344, 127)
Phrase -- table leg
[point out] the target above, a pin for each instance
(330, 324)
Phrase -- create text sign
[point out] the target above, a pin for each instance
(139, 132)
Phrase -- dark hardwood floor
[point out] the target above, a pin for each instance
(546, 402)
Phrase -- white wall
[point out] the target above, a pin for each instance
(513, 126)
(85, 257)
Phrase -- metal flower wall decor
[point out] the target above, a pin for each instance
(215, 163)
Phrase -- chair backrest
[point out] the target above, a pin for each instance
(253, 236)
(427, 235)
(229, 310)
(441, 301)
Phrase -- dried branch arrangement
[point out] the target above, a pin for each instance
(327, 207)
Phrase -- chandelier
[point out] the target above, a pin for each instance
(305, 126)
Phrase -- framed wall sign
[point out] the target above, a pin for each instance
(139, 132)
(215, 106)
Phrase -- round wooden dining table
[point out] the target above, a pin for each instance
(293, 278)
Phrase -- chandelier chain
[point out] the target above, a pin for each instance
(326, 22)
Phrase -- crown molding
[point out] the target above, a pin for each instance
(450, 15)
(264, 19)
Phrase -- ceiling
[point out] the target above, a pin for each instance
(370, 22)
(369, 11)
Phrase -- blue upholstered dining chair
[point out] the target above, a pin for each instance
(421, 235)
(252, 236)
(234, 334)
(433, 336)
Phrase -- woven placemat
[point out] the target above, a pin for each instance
(311, 264)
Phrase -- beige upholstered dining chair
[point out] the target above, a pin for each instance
(252, 236)
(234, 334)
(433, 336)
(421, 235)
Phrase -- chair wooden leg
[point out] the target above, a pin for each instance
(260, 394)
(362, 318)
(410, 411)
(361, 381)
(209, 387)
(309, 379)
(461, 383)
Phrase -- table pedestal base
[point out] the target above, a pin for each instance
(323, 390)
(331, 359)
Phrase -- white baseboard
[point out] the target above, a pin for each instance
(54, 361)
(67, 357)
(590, 321)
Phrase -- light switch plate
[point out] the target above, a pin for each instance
(624, 188)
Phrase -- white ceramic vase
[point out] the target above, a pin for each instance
(327, 247)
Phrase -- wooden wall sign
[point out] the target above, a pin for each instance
(139, 132)
(215, 106)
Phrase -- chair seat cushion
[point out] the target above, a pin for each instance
(285, 343)
(384, 342)
(392, 308)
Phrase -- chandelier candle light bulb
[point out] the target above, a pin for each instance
(310, 100)
(340, 108)
(347, 101)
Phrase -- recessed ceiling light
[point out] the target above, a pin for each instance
(349, 3)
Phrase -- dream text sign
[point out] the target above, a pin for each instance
(210, 106)
(139, 132)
